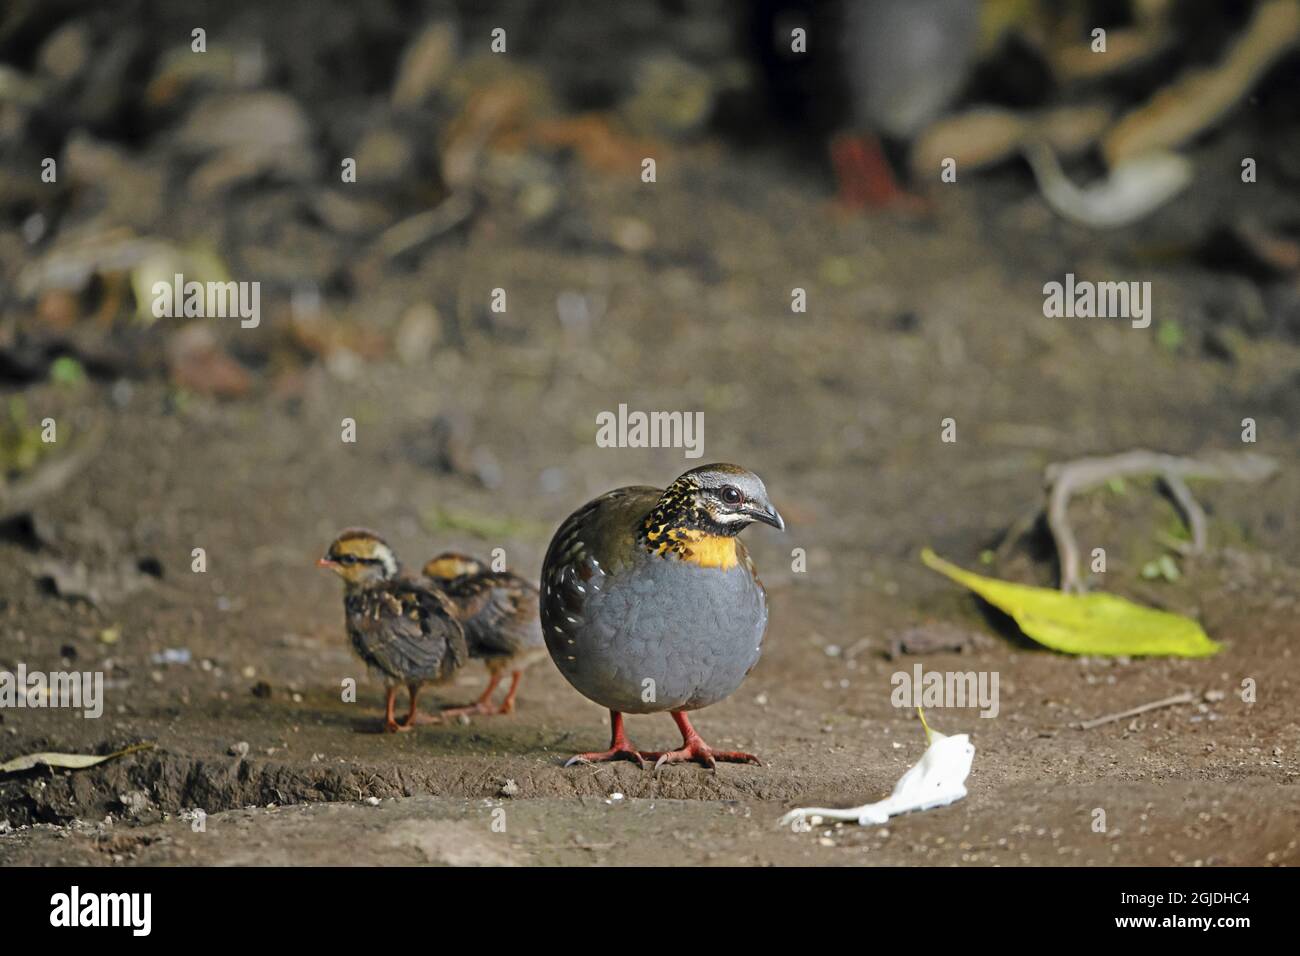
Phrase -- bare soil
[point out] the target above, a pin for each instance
(839, 411)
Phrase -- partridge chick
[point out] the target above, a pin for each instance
(498, 611)
(405, 631)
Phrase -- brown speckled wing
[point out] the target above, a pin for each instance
(407, 632)
(498, 611)
(598, 537)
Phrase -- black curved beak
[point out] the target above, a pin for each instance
(769, 516)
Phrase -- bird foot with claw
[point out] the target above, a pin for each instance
(482, 708)
(695, 749)
(605, 756)
(393, 727)
(418, 719)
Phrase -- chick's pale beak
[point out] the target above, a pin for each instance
(769, 515)
(324, 563)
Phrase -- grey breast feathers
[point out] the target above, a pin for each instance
(407, 632)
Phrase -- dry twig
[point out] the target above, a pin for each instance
(1065, 479)
(1186, 697)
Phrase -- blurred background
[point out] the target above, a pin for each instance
(918, 169)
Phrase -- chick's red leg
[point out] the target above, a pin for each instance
(481, 706)
(508, 705)
(391, 725)
(413, 716)
(620, 748)
(694, 748)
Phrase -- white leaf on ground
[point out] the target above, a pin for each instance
(938, 779)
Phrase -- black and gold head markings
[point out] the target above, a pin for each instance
(699, 515)
(361, 558)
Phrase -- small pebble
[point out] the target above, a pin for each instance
(135, 802)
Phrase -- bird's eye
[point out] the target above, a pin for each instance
(348, 559)
(732, 496)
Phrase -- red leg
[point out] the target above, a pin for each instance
(508, 705)
(865, 178)
(390, 722)
(413, 716)
(694, 748)
(481, 706)
(620, 748)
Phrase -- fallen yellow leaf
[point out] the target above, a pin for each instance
(1098, 624)
(65, 761)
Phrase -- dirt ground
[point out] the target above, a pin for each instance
(910, 321)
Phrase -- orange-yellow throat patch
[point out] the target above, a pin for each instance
(698, 547)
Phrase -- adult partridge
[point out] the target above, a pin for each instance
(498, 611)
(650, 603)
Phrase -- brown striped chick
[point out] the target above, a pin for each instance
(499, 612)
(404, 630)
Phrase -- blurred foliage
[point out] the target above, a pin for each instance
(20, 443)
(1163, 568)
(441, 520)
(66, 371)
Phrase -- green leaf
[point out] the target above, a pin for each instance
(64, 761)
(67, 371)
(1170, 335)
(1096, 624)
